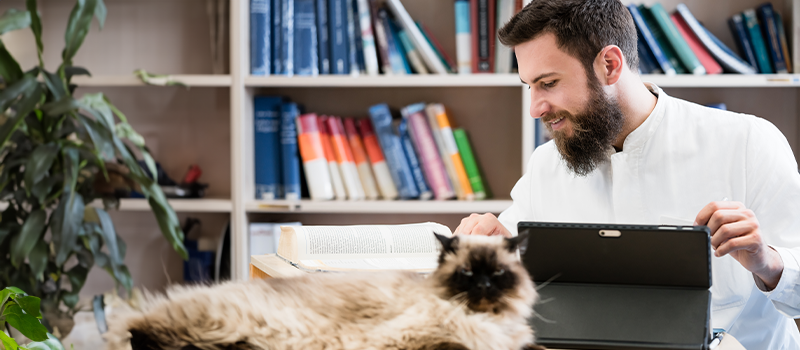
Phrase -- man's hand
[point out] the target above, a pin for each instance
(735, 231)
(486, 225)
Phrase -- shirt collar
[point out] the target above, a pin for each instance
(639, 136)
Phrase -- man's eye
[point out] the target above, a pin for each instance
(550, 84)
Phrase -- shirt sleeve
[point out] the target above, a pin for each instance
(521, 208)
(773, 193)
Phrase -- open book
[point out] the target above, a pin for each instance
(362, 247)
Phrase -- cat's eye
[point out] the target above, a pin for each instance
(466, 272)
(499, 272)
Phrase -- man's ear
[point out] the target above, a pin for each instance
(609, 63)
(449, 244)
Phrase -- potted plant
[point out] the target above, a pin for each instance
(57, 155)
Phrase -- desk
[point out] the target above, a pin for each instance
(271, 266)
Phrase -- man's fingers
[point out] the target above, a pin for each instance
(748, 242)
(705, 214)
(467, 224)
(730, 231)
(724, 216)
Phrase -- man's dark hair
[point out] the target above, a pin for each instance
(582, 28)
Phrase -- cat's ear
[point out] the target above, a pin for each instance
(449, 244)
(520, 241)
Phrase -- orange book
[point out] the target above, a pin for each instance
(344, 157)
(360, 157)
(312, 151)
(382, 175)
(336, 175)
(438, 115)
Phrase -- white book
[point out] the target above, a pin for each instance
(502, 53)
(264, 236)
(426, 51)
(463, 37)
(336, 180)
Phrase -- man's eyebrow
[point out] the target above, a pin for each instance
(545, 75)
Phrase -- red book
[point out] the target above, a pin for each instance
(482, 18)
(708, 62)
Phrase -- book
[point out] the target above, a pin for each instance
(685, 54)
(392, 147)
(649, 39)
(784, 41)
(352, 46)
(287, 37)
(448, 162)
(305, 38)
(425, 49)
(362, 247)
(397, 48)
(431, 161)
(260, 39)
(711, 66)
(265, 236)
(376, 159)
(502, 53)
(315, 163)
(360, 157)
(464, 191)
(345, 160)
(367, 38)
(396, 60)
(425, 192)
(718, 50)
(448, 63)
(277, 40)
(381, 41)
(470, 164)
(737, 26)
(482, 15)
(337, 24)
(757, 39)
(661, 40)
(290, 159)
(362, 69)
(414, 59)
(267, 121)
(463, 37)
(770, 31)
(323, 38)
(333, 165)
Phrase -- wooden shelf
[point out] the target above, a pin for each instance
(379, 207)
(724, 80)
(191, 80)
(432, 80)
(202, 205)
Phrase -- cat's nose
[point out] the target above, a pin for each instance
(484, 283)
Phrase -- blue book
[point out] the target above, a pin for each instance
(739, 30)
(773, 42)
(757, 40)
(352, 47)
(287, 37)
(267, 121)
(277, 14)
(647, 63)
(413, 161)
(260, 30)
(646, 35)
(392, 147)
(396, 47)
(359, 41)
(337, 24)
(290, 159)
(305, 38)
(731, 59)
(323, 34)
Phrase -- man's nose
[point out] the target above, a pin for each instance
(539, 107)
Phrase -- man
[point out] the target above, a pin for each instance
(626, 152)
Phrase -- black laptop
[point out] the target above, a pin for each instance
(608, 286)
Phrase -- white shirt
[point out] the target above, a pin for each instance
(681, 158)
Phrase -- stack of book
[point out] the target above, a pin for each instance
(416, 156)
(678, 43)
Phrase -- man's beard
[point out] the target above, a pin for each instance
(594, 130)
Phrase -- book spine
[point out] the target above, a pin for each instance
(502, 54)
(277, 40)
(379, 166)
(661, 39)
(482, 12)
(736, 23)
(396, 54)
(260, 39)
(367, 38)
(315, 164)
(352, 45)
(267, 121)
(323, 38)
(784, 42)
(770, 31)
(337, 23)
(437, 47)
(360, 158)
(414, 58)
(381, 41)
(392, 147)
(431, 110)
(647, 63)
(644, 32)
(305, 39)
(345, 160)
(716, 48)
(287, 36)
(685, 53)
(406, 23)
(333, 166)
(754, 33)
(290, 160)
(425, 192)
(451, 148)
(463, 37)
(709, 64)
(471, 166)
(431, 161)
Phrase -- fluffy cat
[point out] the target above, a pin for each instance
(479, 297)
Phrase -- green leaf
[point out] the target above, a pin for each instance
(30, 305)
(55, 85)
(72, 71)
(100, 109)
(80, 20)
(77, 277)
(36, 27)
(124, 278)
(100, 13)
(8, 342)
(12, 92)
(32, 229)
(62, 106)
(4, 232)
(14, 19)
(38, 259)
(9, 68)
(70, 299)
(52, 343)
(166, 218)
(109, 235)
(38, 165)
(25, 106)
(71, 164)
(25, 323)
(101, 138)
(65, 224)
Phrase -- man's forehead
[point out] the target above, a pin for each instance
(541, 56)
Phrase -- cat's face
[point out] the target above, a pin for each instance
(483, 271)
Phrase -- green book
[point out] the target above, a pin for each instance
(756, 38)
(662, 41)
(675, 38)
(470, 165)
